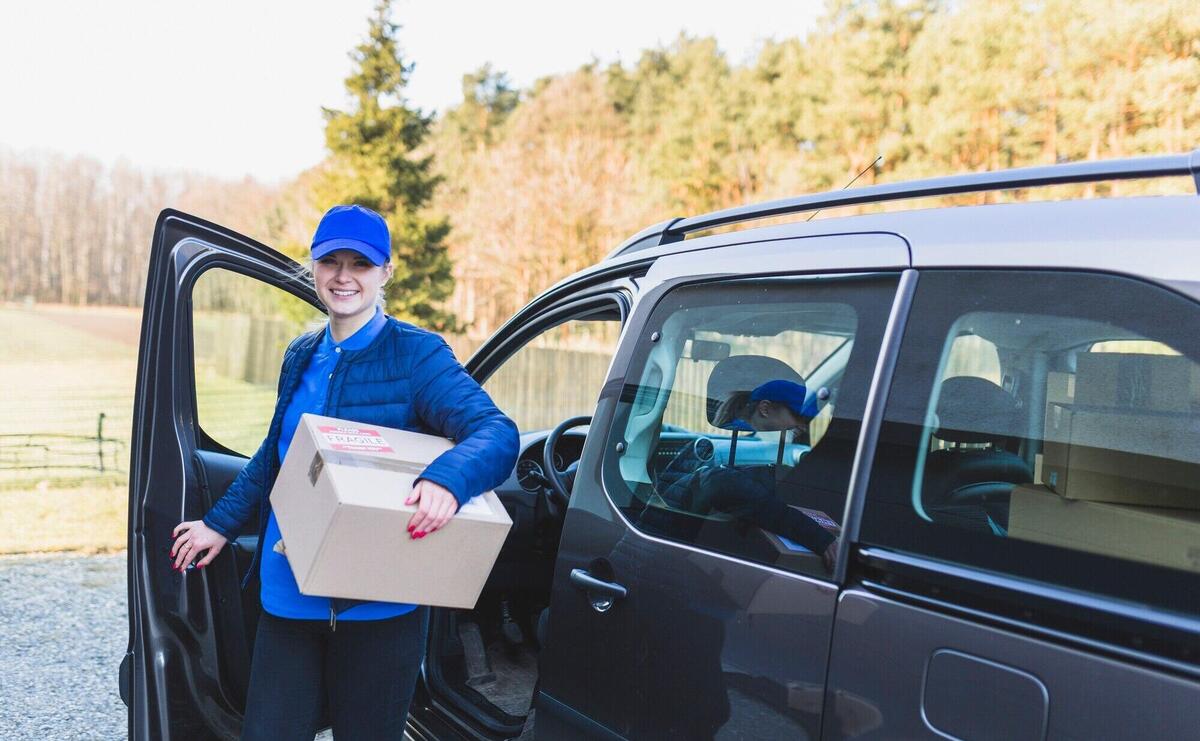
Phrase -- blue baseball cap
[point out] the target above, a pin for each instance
(353, 228)
(789, 393)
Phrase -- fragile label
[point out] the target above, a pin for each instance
(357, 439)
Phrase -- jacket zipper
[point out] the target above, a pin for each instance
(332, 620)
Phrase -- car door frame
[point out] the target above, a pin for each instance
(187, 637)
(660, 280)
(436, 705)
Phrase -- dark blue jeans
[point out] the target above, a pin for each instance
(364, 672)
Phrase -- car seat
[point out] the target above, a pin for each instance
(969, 486)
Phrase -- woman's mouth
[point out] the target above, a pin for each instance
(342, 293)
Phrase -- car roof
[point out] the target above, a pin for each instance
(1153, 237)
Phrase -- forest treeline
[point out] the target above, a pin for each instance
(537, 183)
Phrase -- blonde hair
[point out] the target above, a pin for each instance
(737, 406)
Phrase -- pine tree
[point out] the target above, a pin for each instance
(375, 163)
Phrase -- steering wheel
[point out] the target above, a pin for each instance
(559, 494)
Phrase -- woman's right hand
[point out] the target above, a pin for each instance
(193, 538)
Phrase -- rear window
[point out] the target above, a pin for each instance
(1048, 425)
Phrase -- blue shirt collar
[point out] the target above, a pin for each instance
(359, 339)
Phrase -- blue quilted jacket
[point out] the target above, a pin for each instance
(407, 378)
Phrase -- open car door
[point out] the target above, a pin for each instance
(219, 310)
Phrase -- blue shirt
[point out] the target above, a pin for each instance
(280, 594)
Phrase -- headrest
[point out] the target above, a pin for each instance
(975, 410)
(744, 373)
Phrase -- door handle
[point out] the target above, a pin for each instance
(602, 594)
(246, 543)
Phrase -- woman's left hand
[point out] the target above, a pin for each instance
(435, 506)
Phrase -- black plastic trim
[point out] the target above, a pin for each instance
(868, 437)
(504, 343)
(1128, 631)
(587, 727)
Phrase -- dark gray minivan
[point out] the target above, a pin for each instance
(1005, 442)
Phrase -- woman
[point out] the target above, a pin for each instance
(359, 659)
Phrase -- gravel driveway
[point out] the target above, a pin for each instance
(63, 630)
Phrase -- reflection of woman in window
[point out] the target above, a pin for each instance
(773, 406)
(749, 492)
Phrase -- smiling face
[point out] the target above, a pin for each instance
(348, 283)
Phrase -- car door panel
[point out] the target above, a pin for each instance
(734, 649)
(962, 625)
(702, 644)
(189, 632)
(239, 608)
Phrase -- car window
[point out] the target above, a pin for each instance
(1079, 436)
(240, 328)
(558, 373)
(739, 431)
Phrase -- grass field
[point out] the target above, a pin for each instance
(61, 373)
(61, 369)
(85, 519)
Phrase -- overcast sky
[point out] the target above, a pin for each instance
(235, 87)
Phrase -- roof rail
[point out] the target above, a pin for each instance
(1026, 177)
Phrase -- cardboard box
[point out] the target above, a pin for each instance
(339, 499)
(1166, 537)
(1113, 456)
(1060, 388)
(1162, 383)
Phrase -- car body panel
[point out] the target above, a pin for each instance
(883, 680)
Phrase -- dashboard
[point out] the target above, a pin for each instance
(526, 483)
(529, 475)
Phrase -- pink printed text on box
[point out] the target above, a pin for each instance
(355, 439)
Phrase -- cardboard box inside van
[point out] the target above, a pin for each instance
(1103, 455)
(1166, 537)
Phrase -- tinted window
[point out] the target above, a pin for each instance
(1045, 424)
(739, 433)
(240, 328)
